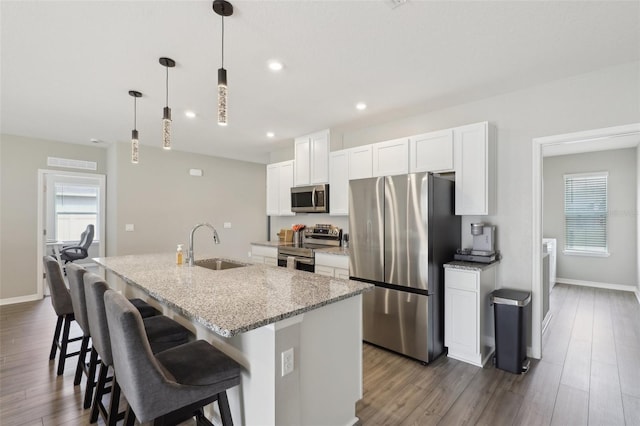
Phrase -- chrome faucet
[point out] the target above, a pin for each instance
(216, 239)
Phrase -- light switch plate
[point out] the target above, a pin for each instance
(128, 227)
(287, 362)
(227, 225)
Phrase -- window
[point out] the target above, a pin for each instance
(76, 206)
(585, 214)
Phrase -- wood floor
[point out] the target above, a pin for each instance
(589, 375)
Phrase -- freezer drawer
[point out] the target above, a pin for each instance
(398, 321)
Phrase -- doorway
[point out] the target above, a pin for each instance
(67, 203)
(592, 140)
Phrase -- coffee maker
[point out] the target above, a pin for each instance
(483, 250)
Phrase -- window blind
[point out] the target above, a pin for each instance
(585, 212)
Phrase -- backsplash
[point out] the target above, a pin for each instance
(308, 219)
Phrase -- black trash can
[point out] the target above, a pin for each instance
(509, 308)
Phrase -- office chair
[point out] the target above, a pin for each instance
(80, 251)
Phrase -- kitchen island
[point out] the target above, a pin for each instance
(256, 314)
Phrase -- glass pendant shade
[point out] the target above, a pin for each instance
(166, 128)
(135, 147)
(222, 97)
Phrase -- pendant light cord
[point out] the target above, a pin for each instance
(167, 86)
(135, 111)
(222, 16)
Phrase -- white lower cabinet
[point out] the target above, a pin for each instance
(263, 254)
(332, 265)
(468, 316)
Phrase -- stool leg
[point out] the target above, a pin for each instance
(225, 411)
(56, 336)
(63, 346)
(91, 378)
(129, 417)
(97, 398)
(82, 359)
(114, 403)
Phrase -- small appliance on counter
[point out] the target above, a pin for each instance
(483, 250)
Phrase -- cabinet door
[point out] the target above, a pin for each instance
(471, 148)
(273, 189)
(302, 148)
(360, 162)
(391, 157)
(431, 152)
(286, 182)
(461, 320)
(339, 183)
(319, 157)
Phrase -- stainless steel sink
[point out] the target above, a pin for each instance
(217, 264)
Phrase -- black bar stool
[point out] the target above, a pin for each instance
(173, 385)
(163, 333)
(61, 301)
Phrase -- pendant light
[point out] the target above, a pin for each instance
(135, 148)
(222, 8)
(166, 114)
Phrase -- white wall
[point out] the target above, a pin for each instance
(638, 221)
(19, 163)
(620, 266)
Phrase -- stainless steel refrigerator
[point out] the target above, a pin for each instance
(402, 230)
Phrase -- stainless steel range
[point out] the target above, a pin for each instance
(302, 256)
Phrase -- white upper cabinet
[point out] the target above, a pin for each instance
(279, 183)
(360, 162)
(339, 183)
(312, 159)
(431, 152)
(391, 157)
(474, 153)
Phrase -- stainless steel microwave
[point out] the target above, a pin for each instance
(310, 199)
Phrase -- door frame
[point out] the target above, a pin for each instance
(42, 202)
(591, 136)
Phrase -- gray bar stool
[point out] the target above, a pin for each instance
(163, 333)
(173, 385)
(61, 301)
(75, 276)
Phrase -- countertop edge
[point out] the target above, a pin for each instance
(469, 266)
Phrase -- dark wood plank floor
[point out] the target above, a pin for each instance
(589, 374)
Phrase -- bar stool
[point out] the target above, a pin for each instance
(61, 301)
(163, 333)
(75, 276)
(173, 385)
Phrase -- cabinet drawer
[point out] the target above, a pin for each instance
(264, 251)
(335, 261)
(324, 270)
(342, 273)
(463, 280)
(271, 261)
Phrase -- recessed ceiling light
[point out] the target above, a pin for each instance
(270, 134)
(275, 65)
(190, 114)
(361, 106)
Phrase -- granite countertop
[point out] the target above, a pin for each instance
(271, 243)
(230, 301)
(338, 251)
(470, 266)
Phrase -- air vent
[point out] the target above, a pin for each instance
(71, 164)
(395, 3)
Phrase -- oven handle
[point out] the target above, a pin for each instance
(305, 260)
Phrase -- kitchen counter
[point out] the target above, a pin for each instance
(211, 298)
(470, 266)
(258, 314)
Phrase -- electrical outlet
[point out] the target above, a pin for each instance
(287, 362)
(129, 227)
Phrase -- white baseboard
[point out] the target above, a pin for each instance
(638, 296)
(607, 286)
(546, 321)
(19, 299)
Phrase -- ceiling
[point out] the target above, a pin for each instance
(67, 66)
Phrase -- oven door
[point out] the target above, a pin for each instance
(301, 263)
